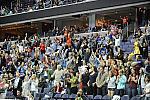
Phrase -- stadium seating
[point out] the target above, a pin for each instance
(98, 97)
(106, 97)
(125, 97)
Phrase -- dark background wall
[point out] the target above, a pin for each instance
(70, 9)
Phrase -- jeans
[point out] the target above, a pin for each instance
(73, 90)
(140, 90)
(68, 90)
(132, 92)
(102, 91)
(120, 92)
(33, 93)
(85, 89)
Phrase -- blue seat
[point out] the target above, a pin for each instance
(42, 95)
(57, 96)
(72, 96)
(135, 98)
(10, 97)
(65, 96)
(39, 90)
(98, 97)
(36, 98)
(90, 97)
(125, 97)
(148, 48)
(46, 90)
(106, 97)
(38, 95)
(9, 93)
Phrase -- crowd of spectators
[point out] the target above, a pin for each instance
(31, 5)
(75, 64)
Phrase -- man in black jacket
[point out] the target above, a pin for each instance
(17, 84)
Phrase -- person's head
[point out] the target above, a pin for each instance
(26, 78)
(132, 71)
(33, 77)
(73, 74)
(101, 69)
(80, 92)
(17, 74)
(114, 62)
(58, 67)
(147, 78)
(18, 93)
(22, 64)
(110, 73)
(141, 71)
(121, 72)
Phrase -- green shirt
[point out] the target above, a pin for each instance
(74, 81)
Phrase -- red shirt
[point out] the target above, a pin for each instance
(2, 85)
(42, 47)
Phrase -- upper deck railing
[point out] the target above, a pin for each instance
(69, 10)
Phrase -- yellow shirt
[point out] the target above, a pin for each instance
(136, 48)
(74, 81)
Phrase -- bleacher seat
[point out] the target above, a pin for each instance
(90, 97)
(46, 90)
(106, 97)
(42, 95)
(125, 97)
(72, 96)
(65, 96)
(57, 96)
(9, 95)
(39, 90)
(98, 97)
(36, 98)
(135, 98)
(38, 95)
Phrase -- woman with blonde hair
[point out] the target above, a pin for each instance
(34, 84)
(121, 82)
(111, 83)
(136, 48)
(25, 87)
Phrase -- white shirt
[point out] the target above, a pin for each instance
(112, 82)
(142, 81)
(16, 82)
(147, 90)
(117, 41)
(34, 85)
(20, 48)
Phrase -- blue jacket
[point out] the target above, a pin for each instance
(122, 82)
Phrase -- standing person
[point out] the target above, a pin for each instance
(141, 82)
(121, 83)
(136, 48)
(34, 85)
(17, 83)
(74, 82)
(111, 83)
(42, 47)
(84, 80)
(133, 79)
(147, 87)
(25, 87)
(67, 79)
(92, 81)
(57, 75)
(101, 82)
(117, 39)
